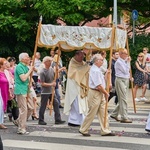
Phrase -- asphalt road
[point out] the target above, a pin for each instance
(55, 137)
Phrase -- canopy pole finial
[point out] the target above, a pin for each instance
(41, 18)
(115, 13)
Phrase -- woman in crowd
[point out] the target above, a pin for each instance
(1, 113)
(147, 55)
(12, 107)
(33, 97)
(12, 62)
(140, 76)
(5, 89)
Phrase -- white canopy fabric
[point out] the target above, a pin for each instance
(77, 37)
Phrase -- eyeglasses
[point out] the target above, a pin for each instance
(101, 59)
(125, 53)
(140, 56)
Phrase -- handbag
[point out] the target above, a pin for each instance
(148, 124)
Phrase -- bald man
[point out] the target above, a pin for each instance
(122, 69)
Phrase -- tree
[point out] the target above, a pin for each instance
(73, 12)
(19, 18)
(143, 8)
(140, 42)
(18, 23)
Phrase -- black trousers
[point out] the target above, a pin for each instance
(44, 100)
(111, 95)
(35, 78)
(14, 111)
(1, 144)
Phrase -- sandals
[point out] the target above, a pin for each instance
(2, 126)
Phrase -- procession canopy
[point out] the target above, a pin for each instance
(77, 37)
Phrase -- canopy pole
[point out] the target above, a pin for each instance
(35, 50)
(109, 73)
(133, 98)
(53, 88)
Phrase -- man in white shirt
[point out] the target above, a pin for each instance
(97, 97)
(122, 69)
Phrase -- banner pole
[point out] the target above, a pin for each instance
(109, 73)
(35, 50)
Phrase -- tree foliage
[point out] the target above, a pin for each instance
(141, 41)
(18, 21)
(19, 18)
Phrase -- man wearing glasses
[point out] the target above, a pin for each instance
(122, 69)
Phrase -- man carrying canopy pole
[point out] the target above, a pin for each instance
(97, 97)
(122, 69)
(47, 82)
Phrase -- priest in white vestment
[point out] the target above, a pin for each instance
(76, 105)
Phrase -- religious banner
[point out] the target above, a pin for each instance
(77, 37)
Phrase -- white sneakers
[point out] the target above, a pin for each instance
(137, 100)
(142, 99)
(22, 131)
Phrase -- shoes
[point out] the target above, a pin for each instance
(147, 130)
(60, 122)
(116, 118)
(5, 116)
(15, 122)
(85, 134)
(147, 101)
(126, 121)
(142, 99)
(10, 117)
(109, 134)
(22, 132)
(137, 100)
(35, 117)
(2, 126)
(61, 106)
(42, 123)
(73, 125)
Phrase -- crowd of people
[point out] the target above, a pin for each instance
(85, 90)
